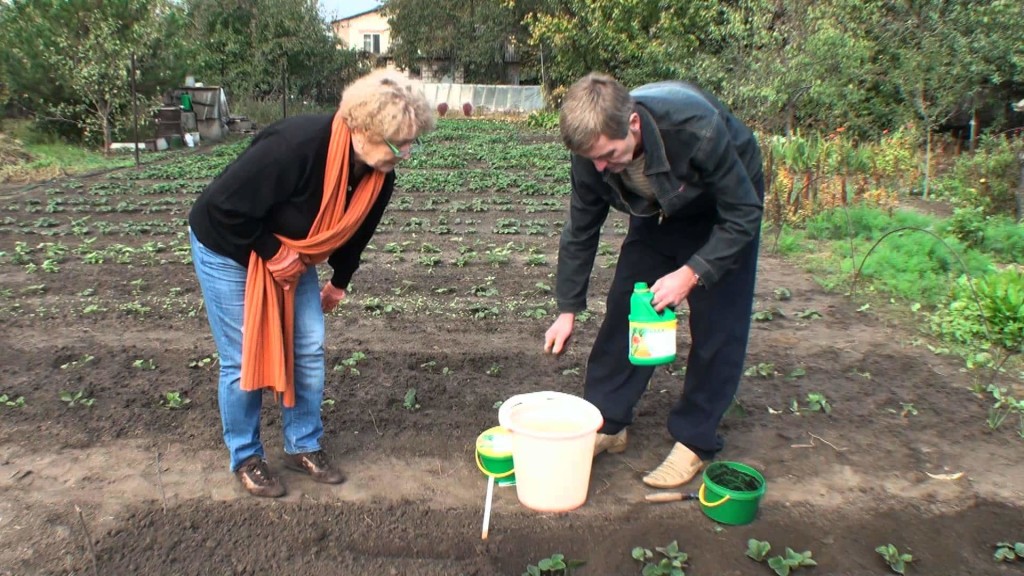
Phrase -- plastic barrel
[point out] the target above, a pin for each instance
(553, 437)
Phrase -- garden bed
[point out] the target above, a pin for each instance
(102, 320)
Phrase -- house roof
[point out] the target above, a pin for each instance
(357, 15)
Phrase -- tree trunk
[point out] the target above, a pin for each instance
(1020, 189)
(927, 160)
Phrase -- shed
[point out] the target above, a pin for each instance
(209, 113)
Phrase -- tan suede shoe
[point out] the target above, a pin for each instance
(679, 467)
(610, 443)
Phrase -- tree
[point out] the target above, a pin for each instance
(68, 61)
(259, 48)
(468, 36)
(634, 40)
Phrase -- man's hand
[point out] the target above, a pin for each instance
(557, 336)
(286, 267)
(671, 289)
(330, 295)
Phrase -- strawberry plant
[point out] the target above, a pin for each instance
(350, 363)
(782, 565)
(76, 398)
(410, 403)
(1007, 552)
(174, 401)
(897, 562)
(11, 402)
(758, 549)
(671, 564)
(556, 565)
(816, 402)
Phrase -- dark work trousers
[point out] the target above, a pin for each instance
(719, 329)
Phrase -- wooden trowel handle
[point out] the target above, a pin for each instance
(668, 496)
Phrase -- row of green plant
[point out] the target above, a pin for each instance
(671, 560)
(171, 400)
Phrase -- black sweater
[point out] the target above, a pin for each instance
(275, 187)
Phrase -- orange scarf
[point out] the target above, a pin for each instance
(268, 331)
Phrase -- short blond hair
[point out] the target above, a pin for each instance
(384, 104)
(594, 105)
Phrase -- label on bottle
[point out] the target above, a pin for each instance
(652, 340)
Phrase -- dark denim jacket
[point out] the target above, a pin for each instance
(702, 162)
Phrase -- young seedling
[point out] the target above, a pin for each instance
(553, 566)
(350, 363)
(201, 363)
(798, 372)
(758, 549)
(9, 402)
(816, 402)
(897, 562)
(75, 363)
(783, 565)
(494, 370)
(410, 403)
(144, 364)
(174, 401)
(672, 563)
(1007, 552)
(808, 314)
(761, 369)
(79, 397)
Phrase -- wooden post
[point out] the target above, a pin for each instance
(1020, 188)
(135, 111)
(284, 91)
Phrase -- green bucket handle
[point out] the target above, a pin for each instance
(486, 472)
(700, 494)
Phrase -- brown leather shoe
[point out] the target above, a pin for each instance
(679, 467)
(316, 465)
(255, 476)
(611, 443)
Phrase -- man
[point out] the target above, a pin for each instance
(689, 175)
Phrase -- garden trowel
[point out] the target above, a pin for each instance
(658, 497)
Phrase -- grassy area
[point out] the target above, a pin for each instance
(967, 292)
(48, 157)
(265, 112)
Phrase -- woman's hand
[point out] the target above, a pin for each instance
(330, 295)
(286, 267)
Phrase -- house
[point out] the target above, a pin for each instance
(369, 32)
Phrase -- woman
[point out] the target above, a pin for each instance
(308, 189)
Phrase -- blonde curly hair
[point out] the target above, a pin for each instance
(385, 104)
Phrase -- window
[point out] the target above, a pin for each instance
(371, 43)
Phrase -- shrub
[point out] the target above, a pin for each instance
(1001, 300)
(991, 174)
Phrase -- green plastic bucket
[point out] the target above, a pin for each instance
(494, 455)
(736, 505)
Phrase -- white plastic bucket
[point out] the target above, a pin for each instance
(553, 437)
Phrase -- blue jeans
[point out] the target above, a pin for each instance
(223, 284)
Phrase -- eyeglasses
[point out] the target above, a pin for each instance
(398, 151)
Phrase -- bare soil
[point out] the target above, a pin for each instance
(127, 486)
